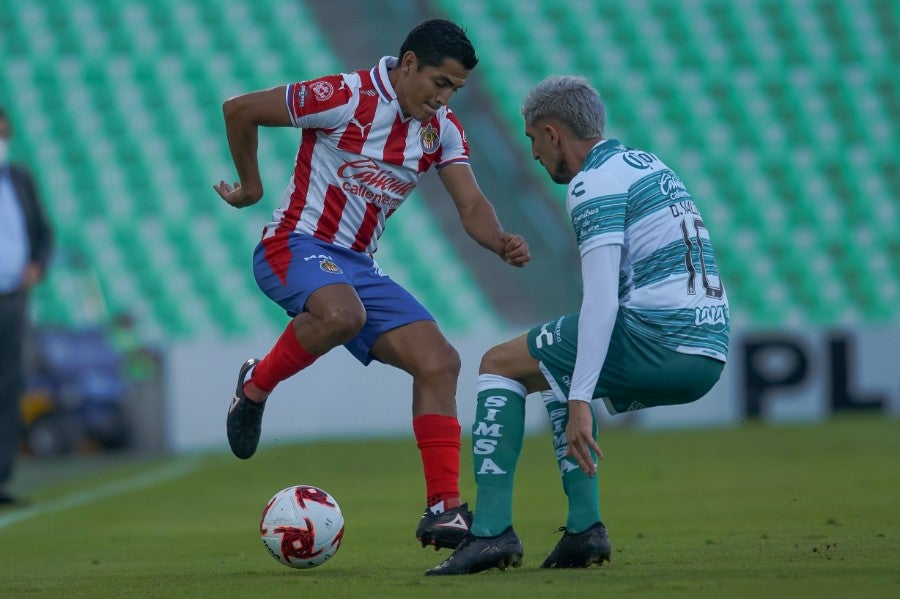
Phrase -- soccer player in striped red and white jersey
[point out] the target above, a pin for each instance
(367, 137)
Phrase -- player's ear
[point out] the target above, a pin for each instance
(552, 133)
(409, 62)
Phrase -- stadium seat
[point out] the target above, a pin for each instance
(801, 95)
(129, 149)
(784, 90)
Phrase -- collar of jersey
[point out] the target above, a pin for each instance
(381, 79)
(604, 145)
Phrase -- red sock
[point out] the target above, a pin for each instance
(438, 439)
(286, 358)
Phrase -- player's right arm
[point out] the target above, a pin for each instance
(596, 320)
(244, 115)
(597, 205)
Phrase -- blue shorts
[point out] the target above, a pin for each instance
(288, 273)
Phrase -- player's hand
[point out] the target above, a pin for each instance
(515, 250)
(235, 195)
(580, 437)
(33, 274)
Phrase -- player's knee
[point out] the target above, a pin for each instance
(443, 365)
(493, 361)
(343, 324)
(450, 363)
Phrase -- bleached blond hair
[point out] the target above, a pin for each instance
(569, 99)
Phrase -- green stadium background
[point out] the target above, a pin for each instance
(781, 116)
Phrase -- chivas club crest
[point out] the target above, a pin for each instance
(329, 266)
(429, 138)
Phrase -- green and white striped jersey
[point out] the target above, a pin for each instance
(669, 285)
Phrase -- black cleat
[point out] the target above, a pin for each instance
(444, 530)
(477, 554)
(244, 422)
(580, 549)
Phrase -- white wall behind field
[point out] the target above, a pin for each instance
(338, 397)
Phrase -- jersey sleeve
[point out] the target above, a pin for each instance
(454, 146)
(597, 318)
(596, 203)
(323, 103)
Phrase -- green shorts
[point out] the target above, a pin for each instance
(637, 373)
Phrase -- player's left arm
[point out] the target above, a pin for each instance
(244, 115)
(599, 307)
(478, 217)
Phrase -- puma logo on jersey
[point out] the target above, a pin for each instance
(362, 128)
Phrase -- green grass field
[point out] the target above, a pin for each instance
(756, 511)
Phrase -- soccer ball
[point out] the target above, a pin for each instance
(302, 526)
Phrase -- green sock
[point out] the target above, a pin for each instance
(496, 444)
(581, 489)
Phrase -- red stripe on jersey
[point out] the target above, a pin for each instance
(462, 133)
(367, 228)
(318, 95)
(360, 125)
(427, 160)
(327, 226)
(278, 253)
(395, 146)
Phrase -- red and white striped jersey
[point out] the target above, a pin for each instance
(359, 158)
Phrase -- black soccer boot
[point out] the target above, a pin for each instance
(244, 422)
(477, 554)
(580, 549)
(446, 529)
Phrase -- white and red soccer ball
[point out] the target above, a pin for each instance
(302, 526)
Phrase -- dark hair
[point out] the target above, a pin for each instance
(436, 40)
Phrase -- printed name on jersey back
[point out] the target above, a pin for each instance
(318, 95)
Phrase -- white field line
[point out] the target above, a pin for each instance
(144, 480)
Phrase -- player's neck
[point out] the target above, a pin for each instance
(578, 152)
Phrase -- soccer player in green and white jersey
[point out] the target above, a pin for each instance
(652, 330)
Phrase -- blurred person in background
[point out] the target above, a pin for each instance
(653, 327)
(25, 246)
(367, 137)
